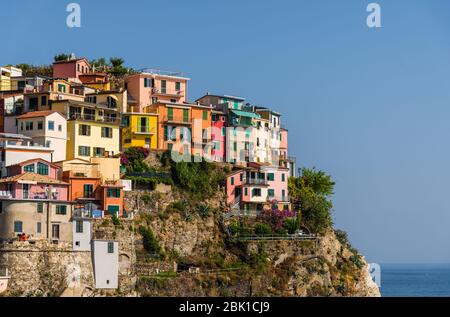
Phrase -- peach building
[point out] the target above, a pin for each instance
(151, 86)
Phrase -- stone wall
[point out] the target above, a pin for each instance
(44, 268)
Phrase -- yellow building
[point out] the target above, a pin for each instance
(6, 73)
(140, 130)
(93, 129)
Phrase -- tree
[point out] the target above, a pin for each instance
(61, 57)
(117, 66)
(312, 190)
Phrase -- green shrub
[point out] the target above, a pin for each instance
(146, 198)
(115, 220)
(151, 245)
(342, 237)
(262, 228)
(291, 225)
(203, 211)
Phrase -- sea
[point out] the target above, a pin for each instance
(415, 280)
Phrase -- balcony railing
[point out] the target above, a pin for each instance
(165, 91)
(94, 118)
(82, 174)
(6, 194)
(278, 198)
(255, 181)
(177, 119)
(146, 130)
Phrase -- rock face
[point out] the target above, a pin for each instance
(189, 239)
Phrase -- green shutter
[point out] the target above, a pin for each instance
(245, 191)
(271, 192)
(169, 114)
(205, 115)
(282, 177)
(185, 115)
(232, 180)
(166, 134)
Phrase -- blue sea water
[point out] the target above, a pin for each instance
(428, 280)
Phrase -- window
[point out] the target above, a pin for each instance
(51, 125)
(17, 226)
(240, 177)
(148, 82)
(88, 190)
(40, 208)
(270, 177)
(232, 181)
(40, 125)
(110, 248)
(112, 103)
(99, 151)
(154, 100)
(84, 151)
(91, 99)
(126, 121)
(256, 192)
(177, 86)
(235, 146)
(107, 132)
(205, 115)
(113, 210)
(79, 226)
(61, 209)
(29, 125)
(29, 168)
(59, 127)
(283, 194)
(43, 100)
(39, 227)
(169, 114)
(21, 126)
(42, 169)
(283, 177)
(245, 191)
(185, 115)
(84, 129)
(163, 86)
(62, 88)
(223, 131)
(271, 193)
(113, 192)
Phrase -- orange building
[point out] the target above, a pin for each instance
(183, 127)
(90, 189)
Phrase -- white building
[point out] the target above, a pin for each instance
(48, 128)
(81, 233)
(106, 263)
(16, 148)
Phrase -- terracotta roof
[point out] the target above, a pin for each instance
(36, 114)
(33, 177)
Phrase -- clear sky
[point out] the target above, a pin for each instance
(369, 106)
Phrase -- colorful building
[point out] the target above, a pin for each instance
(218, 135)
(16, 148)
(7, 74)
(35, 203)
(257, 187)
(140, 130)
(71, 68)
(47, 128)
(151, 86)
(93, 129)
(40, 99)
(95, 185)
(96, 80)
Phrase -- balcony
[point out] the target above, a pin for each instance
(145, 130)
(82, 174)
(278, 199)
(167, 92)
(94, 118)
(177, 120)
(6, 194)
(255, 181)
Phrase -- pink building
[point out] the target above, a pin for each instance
(39, 166)
(72, 68)
(218, 136)
(151, 86)
(258, 187)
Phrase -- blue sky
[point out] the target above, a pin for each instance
(369, 106)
